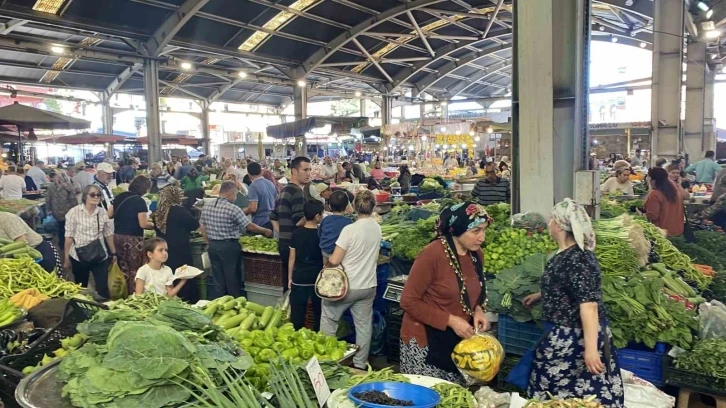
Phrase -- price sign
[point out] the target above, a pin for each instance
(317, 378)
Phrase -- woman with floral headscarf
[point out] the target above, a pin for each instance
(444, 296)
(575, 358)
(174, 223)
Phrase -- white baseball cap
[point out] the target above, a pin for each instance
(105, 167)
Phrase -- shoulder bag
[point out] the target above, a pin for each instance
(332, 284)
(94, 252)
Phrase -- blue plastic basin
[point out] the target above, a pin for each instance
(421, 397)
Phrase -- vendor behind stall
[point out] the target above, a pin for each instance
(14, 228)
(444, 295)
(619, 183)
(705, 169)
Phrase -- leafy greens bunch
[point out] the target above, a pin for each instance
(511, 286)
(133, 360)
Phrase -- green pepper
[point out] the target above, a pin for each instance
(320, 348)
(253, 351)
(265, 340)
(284, 336)
(320, 338)
(246, 343)
(331, 343)
(263, 370)
(306, 352)
(290, 353)
(256, 333)
(287, 345)
(343, 344)
(336, 355)
(279, 346)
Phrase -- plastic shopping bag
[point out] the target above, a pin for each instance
(184, 272)
(642, 394)
(283, 303)
(50, 224)
(712, 320)
(117, 288)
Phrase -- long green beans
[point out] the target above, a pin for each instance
(454, 396)
(17, 275)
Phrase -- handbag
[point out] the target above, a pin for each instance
(332, 284)
(93, 252)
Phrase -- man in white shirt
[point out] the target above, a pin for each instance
(451, 162)
(12, 185)
(328, 170)
(37, 174)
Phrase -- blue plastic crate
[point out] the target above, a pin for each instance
(516, 337)
(644, 362)
(413, 189)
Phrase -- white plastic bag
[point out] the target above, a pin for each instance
(283, 303)
(642, 394)
(712, 320)
(488, 398)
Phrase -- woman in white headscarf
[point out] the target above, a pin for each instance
(575, 358)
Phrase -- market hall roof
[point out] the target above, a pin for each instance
(255, 51)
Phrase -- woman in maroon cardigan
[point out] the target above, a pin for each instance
(444, 296)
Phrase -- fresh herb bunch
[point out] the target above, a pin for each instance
(708, 357)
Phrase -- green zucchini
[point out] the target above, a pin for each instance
(11, 247)
(255, 307)
(266, 316)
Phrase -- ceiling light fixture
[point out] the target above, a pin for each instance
(614, 39)
(476, 139)
(643, 45)
(712, 33)
(242, 74)
(443, 129)
(358, 94)
(186, 66)
(444, 103)
(57, 49)
(703, 6)
(472, 133)
(709, 13)
(424, 138)
(490, 129)
(301, 83)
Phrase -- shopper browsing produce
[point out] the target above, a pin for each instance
(262, 195)
(222, 222)
(288, 213)
(305, 263)
(155, 276)
(620, 183)
(663, 205)
(60, 197)
(87, 227)
(356, 250)
(578, 348)
(13, 228)
(444, 296)
(130, 218)
(677, 176)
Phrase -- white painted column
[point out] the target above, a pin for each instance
(151, 95)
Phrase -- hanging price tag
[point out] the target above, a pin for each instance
(317, 378)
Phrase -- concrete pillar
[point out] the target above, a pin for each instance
(151, 95)
(693, 137)
(386, 110)
(549, 100)
(300, 102)
(107, 119)
(666, 92)
(709, 126)
(362, 103)
(206, 139)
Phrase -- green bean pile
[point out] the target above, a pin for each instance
(17, 275)
(454, 396)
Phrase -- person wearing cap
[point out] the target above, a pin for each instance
(84, 175)
(104, 175)
(12, 186)
(320, 192)
(29, 183)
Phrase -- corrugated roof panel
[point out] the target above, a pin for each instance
(287, 48)
(275, 23)
(48, 6)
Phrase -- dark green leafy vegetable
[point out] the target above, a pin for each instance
(511, 286)
(708, 357)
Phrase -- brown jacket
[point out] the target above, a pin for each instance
(431, 293)
(667, 215)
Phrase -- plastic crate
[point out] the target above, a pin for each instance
(693, 381)
(262, 269)
(643, 362)
(263, 294)
(509, 362)
(76, 311)
(516, 337)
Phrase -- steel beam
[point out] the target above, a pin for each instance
(420, 33)
(694, 143)
(442, 52)
(153, 122)
(371, 59)
(452, 66)
(180, 89)
(477, 76)
(312, 62)
(667, 73)
(300, 104)
(168, 29)
(7, 28)
(221, 91)
(107, 119)
(121, 79)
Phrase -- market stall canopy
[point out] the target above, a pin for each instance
(26, 117)
(298, 128)
(86, 138)
(169, 139)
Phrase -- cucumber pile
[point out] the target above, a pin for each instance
(10, 249)
(238, 316)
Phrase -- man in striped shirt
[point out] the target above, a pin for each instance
(491, 189)
(288, 213)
